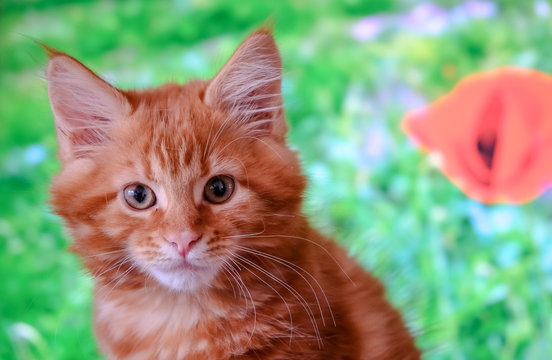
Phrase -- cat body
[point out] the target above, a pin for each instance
(184, 203)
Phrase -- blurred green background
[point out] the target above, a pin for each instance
(473, 281)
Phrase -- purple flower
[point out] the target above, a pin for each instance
(427, 18)
(474, 9)
(367, 28)
(377, 145)
(377, 142)
(542, 8)
(480, 9)
(409, 99)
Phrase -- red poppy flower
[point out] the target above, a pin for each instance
(492, 133)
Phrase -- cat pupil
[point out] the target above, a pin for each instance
(218, 188)
(139, 193)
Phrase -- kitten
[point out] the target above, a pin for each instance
(184, 203)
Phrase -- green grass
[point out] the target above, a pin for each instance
(473, 281)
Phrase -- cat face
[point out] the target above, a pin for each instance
(166, 184)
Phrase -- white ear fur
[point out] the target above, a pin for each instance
(248, 87)
(84, 106)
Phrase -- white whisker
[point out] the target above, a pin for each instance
(103, 254)
(294, 267)
(253, 304)
(282, 298)
(310, 241)
(294, 292)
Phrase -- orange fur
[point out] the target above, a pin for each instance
(260, 283)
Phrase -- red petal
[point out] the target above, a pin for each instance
(494, 132)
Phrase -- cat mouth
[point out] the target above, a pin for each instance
(185, 265)
(183, 275)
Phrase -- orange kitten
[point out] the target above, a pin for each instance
(185, 205)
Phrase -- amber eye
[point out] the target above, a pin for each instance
(218, 189)
(139, 196)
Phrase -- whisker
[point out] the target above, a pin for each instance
(228, 268)
(282, 298)
(224, 272)
(254, 309)
(118, 263)
(119, 278)
(245, 235)
(294, 267)
(103, 254)
(310, 241)
(239, 281)
(294, 292)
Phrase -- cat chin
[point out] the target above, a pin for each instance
(184, 280)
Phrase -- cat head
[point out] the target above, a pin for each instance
(170, 183)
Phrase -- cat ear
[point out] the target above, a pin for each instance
(248, 87)
(84, 106)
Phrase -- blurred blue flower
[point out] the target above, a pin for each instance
(427, 18)
(497, 294)
(507, 254)
(503, 218)
(491, 220)
(541, 8)
(35, 154)
(377, 143)
(473, 10)
(142, 78)
(479, 9)
(319, 172)
(194, 61)
(367, 28)
(546, 257)
(343, 150)
(528, 58)
(480, 219)
(409, 99)
(540, 233)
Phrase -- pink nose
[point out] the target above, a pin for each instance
(183, 241)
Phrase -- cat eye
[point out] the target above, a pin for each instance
(139, 196)
(218, 189)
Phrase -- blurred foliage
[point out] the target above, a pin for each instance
(473, 281)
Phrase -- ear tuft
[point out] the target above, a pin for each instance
(248, 87)
(50, 51)
(85, 107)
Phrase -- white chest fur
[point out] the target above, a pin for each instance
(147, 324)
